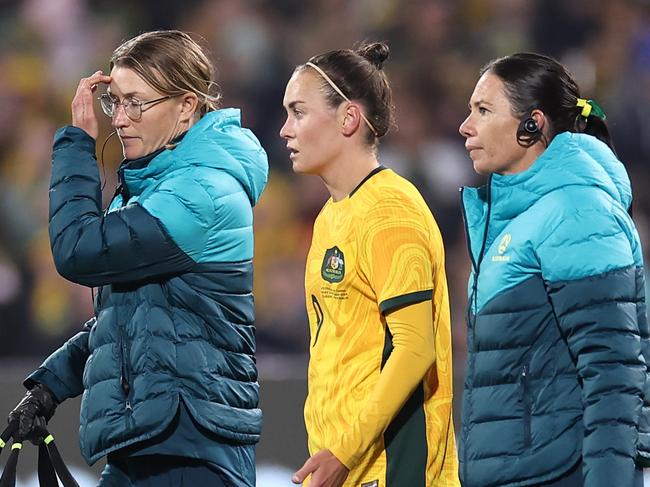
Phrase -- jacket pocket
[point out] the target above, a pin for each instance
(526, 404)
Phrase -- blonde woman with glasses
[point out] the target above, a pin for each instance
(166, 366)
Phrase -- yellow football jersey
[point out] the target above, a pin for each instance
(373, 252)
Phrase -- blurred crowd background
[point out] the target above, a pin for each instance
(437, 48)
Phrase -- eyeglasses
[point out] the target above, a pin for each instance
(132, 108)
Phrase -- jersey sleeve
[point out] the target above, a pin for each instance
(413, 354)
(397, 253)
(94, 249)
(62, 372)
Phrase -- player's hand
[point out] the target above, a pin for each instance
(326, 471)
(83, 112)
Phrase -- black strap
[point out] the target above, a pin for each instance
(46, 473)
(59, 466)
(8, 433)
(51, 466)
(8, 478)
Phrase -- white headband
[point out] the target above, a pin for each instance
(338, 90)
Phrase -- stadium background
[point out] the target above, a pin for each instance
(437, 48)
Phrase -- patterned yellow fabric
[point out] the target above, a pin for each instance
(373, 253)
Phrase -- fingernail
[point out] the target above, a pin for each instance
(295, 479)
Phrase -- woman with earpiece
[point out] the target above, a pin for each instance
(166, 365)
(557, 329)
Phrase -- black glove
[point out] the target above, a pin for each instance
(33, 413)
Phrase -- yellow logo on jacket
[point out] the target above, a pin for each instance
(503, 246)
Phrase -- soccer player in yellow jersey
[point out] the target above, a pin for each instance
(378, 412)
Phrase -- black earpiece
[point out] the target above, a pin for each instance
(529, 133)
(530, 125)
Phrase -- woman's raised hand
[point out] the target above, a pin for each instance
(83, 112)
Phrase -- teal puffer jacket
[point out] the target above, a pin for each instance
(557, 327)
(172, 258)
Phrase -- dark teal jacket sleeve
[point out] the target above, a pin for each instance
(93, 249)
(643, 458)
(62, 372)
(590, 273)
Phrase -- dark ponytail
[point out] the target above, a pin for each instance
(596, 126)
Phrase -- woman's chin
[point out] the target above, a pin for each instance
(131, 153)
(132, 148)
(481, 168)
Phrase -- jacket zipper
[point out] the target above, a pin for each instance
(476, 264)
(122, 189)
(473, 298)
(124, 382)
(526, 405)
(124, 373)
(487, 224)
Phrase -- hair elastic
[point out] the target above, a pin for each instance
(590, 107)
(338, 90)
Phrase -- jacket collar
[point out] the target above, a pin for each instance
(217, 141)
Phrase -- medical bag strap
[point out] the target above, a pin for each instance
(7, 434)
(50, 458)
(50, 462)
(8, 478)
(46, 473)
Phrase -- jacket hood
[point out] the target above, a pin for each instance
(570, 160)
(218, 141)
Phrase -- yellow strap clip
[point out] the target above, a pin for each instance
(48, 439)
(16, 446)
(586, 107)
(2, 443)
